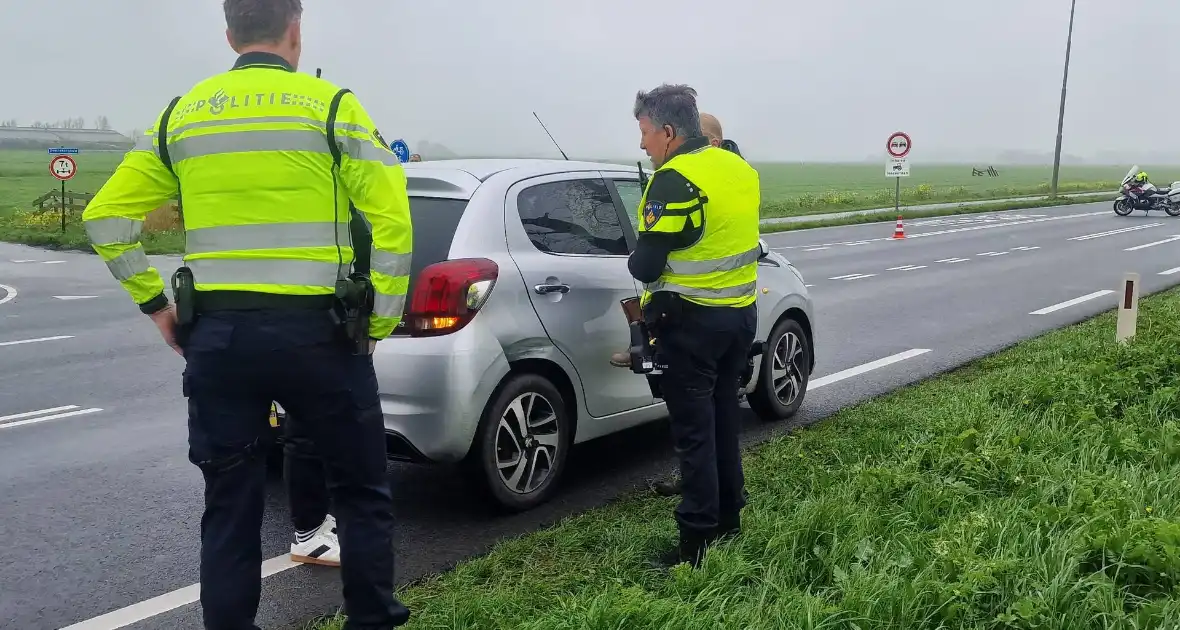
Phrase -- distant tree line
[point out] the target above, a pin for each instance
(101, 123)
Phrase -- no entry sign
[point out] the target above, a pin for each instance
(898, 145)
(63, 167)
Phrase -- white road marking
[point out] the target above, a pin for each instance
(971, 228)
(1170, 271)
(147, 609)
(1166, 240)
(854, 276)
(867, 367)
(1073, 302)
(1025, 248)
(814, 249)
(993, 254)
(9, 294)
(53, 262)
(859, 243)
(951, 260)
(38, 340)
(24, 261)
(901, 268)
(74, 297)
(33, 417)
(809, 285)
(1087, 237)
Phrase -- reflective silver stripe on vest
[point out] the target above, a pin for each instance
(113, 230)
(127, 265)
(728, 263)
(388, 305)
(742, 290)
(265, 236)
(390, 264)
(308, 140)
(264, 120)
(363, 149)
(265, 271)
(248, 141)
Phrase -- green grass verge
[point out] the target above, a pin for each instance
(889, 216)
(1036, 488)
(46, 232)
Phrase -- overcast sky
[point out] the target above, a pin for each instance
(790, 79)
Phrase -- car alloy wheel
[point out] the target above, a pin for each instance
(527, 440)
(787, 368)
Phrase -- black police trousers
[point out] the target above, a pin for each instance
(237, 363)
(706, 350)
(305, 476)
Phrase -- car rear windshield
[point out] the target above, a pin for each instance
(435, 222)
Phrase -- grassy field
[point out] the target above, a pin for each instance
(1033, 489)
(789, 189)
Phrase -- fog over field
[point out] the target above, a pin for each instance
(804, 80)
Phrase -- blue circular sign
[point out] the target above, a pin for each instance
(401, 150)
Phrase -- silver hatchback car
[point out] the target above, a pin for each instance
(502, 361)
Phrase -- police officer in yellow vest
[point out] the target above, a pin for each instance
(267, 161)
(697, 256)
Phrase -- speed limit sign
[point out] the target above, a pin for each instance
(63, 167)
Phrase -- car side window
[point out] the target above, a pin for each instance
(630, 192)
(572, 217)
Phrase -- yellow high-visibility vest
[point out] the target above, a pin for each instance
(266, 203)
(721, 268)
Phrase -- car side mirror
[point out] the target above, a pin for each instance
(765, 249)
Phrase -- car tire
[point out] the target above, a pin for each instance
(517, 468)
(786, 345)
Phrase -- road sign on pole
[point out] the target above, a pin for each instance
(63, 151)
(897, 165)
(63, 167)
(898, 145)
(401, 150)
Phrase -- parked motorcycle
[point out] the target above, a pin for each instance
(1145, 196)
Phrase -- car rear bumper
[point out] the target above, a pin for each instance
(434, 390)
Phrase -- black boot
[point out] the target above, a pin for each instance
(667, 487)
(729, 526)
(690, 549)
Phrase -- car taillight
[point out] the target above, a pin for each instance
(447, 295)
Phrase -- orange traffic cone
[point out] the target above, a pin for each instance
(899, 231)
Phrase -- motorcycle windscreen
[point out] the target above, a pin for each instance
(1131, 173)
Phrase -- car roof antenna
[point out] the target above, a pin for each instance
(550, 136)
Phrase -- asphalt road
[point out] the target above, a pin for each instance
(101, 507)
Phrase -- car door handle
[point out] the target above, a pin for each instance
(545, 289)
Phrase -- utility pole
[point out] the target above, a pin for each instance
(1061, 113)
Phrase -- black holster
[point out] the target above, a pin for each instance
(354, 309)
(184, 293)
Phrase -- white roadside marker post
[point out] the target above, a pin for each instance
(1128, 308)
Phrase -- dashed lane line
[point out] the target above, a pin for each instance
(971, 228)
(1168, 272)
(1073, 302)
(906, 268)
(1087, 237)
(993, 254)
(1145, 246)
(854, 276)
(951, 261)
(21, 342)
(44, 415)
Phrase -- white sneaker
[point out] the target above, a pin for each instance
(322, 548)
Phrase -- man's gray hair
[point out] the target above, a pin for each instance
(260, 21)
(674, 105)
